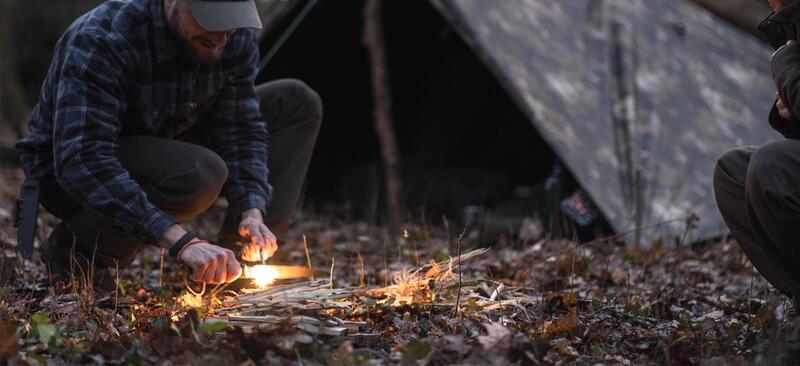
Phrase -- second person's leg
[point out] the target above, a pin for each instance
(730, 178)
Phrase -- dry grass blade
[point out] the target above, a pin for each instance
(407, 282)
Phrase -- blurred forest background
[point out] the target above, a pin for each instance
(30, 28)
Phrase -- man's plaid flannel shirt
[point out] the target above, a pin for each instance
(118, 70)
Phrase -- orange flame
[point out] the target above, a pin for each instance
(262, 275)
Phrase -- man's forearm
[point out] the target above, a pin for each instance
(175, 232)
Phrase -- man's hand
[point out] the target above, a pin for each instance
(261, 239)
(777, 5)
(783, 59)
(782, 110)
(211, 263)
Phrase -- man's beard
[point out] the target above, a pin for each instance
(201, 58)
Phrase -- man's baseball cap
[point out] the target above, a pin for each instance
(222, 15)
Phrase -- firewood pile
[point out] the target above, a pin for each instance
(303, 304)
(314, 306)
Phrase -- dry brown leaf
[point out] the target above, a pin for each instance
(564, 348)
(8, 339)
(496, 335)
(564, 324)
(619, 276)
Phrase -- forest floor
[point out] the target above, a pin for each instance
(596, 303)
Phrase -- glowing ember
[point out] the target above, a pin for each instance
(190, 300)
(262, 275)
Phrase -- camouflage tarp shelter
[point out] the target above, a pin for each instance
(637, 98)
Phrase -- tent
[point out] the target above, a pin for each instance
(635, 98)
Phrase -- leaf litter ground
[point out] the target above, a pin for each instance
(539, 302)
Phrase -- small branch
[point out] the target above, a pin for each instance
(116, 288)
(572, 267)
(161, 270)
(749, 302)
(416, 253)
(446, 224)
(624, 233)
(362, 276)
(385, 261)
(691, 223)
(637, 201)
(458, 294)
(333, 264)
(308, 257)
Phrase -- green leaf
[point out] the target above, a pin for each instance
(368, 302)
(472, 306)
(213, 327)
(639, 312)
(46, 332)
(442, 255)
(415, 351)
(162, 293)
(36, 357)
(40, 318)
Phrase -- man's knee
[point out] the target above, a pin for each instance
(210, 174)
(295, 97)
(731, 167)
(188, 193)
(724, 165)
(307, 97)
(774, 166)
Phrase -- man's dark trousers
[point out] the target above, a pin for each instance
(758, 194)
(183, 179)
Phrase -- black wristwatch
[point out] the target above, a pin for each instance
(185, 239)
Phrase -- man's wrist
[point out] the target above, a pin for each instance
(169, 237)
(185, 241)
(252, 213)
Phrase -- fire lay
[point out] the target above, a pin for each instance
(264, 274)
(318, 308)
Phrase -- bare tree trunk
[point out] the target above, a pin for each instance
(382, 100)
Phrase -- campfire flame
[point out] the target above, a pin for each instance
(262, 275)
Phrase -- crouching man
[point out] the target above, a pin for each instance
(149, 111)
(758, 188)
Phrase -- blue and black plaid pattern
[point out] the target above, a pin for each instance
(118, 70)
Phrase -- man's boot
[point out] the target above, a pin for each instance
(55, 251)
(66, 264)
